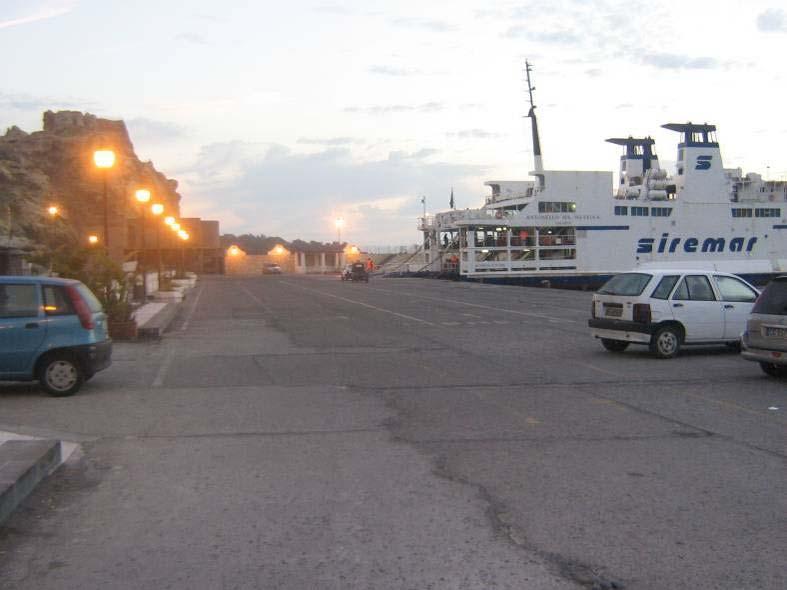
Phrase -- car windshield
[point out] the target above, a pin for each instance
(627, 284)
(773, 300)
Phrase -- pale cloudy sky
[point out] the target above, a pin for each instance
(277, 117)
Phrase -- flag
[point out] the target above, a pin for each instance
(451, 202)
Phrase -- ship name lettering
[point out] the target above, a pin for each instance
(670, 245)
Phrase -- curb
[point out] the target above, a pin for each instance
(157, 325)
(23, 464)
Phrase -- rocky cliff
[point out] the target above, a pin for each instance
(55, 167)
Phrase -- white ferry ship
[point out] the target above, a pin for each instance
(573, 228)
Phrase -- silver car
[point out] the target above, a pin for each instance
(765, 339)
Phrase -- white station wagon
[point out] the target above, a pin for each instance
(666, 309)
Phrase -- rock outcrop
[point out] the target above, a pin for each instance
(55, 167)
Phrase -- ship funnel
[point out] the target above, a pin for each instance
(638, 158)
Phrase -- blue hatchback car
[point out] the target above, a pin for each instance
(53, 330)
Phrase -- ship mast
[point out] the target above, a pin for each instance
(539, 164)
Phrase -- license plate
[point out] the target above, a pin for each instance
(776, 332)
(613, 312)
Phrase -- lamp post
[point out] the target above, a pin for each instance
(104, 160)
(143, 196)
(184, 236)
(157, 209)
(339, 223)
(53, 211)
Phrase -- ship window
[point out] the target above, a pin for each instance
(661, 211)
(621, 210)
(767, 212)
(737, 212)
(639, 211)
(556, 207)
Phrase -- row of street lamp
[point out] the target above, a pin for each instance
(104, 159)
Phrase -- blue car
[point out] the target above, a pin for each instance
(51, 330)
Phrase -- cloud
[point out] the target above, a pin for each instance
(473, 134)
(333, 9)
(330, 141)
(273, 190)
(193, 38)
(555, 37)
(27, 102)
(151, 130)
(671, 61)
(436, 26)
(30, 12)
(392, 71)
(428, 107)
(772, 20)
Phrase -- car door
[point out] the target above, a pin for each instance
(694, 304)
(737, 298)
(22, 332)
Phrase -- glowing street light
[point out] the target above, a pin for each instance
(53, 211)
(339, 223)
(233, 251)
(169, 220)
(104, 160)
(92, 239)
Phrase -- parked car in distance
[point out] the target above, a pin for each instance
(668, 308)
(271, 268)
(765, 338)
(51, 330)
(358, 272)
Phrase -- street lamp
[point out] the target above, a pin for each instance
(157, 209)
(53, 211)
(143, 196)
(339, 223)
(104, 160)
(184, 236)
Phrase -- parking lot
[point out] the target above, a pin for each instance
(298, 432)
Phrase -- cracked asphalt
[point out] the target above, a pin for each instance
(302, 432)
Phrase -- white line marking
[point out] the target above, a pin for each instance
(479, 305)
(257, 300)
(164, 368)
(361, 303)
(186, 323)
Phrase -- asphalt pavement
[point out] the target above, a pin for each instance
(303, 432)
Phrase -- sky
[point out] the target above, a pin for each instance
(279, 117)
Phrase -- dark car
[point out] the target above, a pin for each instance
(51, 330)
(358, 272)
(764, 340)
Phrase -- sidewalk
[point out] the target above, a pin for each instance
(26, 460)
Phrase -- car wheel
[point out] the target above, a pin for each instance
(773, 370)
(60, 375)
(614, 345)
(665, 343)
